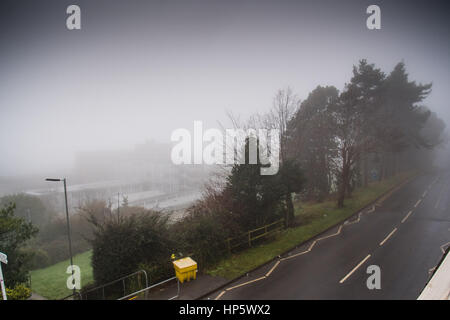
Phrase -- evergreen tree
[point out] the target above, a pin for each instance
(14, 233)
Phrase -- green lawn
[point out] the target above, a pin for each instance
(314, 218)
(50, 282)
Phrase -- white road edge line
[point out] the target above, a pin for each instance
(406, 217)
(245, 283)
(443, 246)
(311, 246)
(331, 235)
(430, 271)
(294, 255)
(314, 242)
(220, 295)
(300, 253)
(347, 223)
(273, 268)
(388, 236)
(354, 269)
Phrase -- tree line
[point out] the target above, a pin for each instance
(344, 139)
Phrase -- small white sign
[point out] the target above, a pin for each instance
(3, 258)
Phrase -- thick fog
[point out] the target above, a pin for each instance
(137, 70)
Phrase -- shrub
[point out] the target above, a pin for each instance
(20, 292)
(14, 234)
(201, 236)
(158, 271)
(38, 258)
(120, 246)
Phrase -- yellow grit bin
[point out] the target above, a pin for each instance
(185, 269)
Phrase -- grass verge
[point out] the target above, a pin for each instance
(50, 282)
(315, 218)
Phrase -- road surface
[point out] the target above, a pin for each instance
(404, 235)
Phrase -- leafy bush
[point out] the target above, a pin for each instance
(157, 271)
(52, 242)
(202, 236)
(28, 207)
(38, 258)
(120, 246)
(14, 234)
(20, 292)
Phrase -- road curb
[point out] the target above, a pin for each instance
(393, 189)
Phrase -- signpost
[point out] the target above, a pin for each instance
(3, 259)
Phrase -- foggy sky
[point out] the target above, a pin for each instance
(137, 70)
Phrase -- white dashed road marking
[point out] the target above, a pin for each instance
(388, 236)
(354, 269)
(406, 217)
(417, 203)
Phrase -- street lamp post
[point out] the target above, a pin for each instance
(118, 205)
(68, 224)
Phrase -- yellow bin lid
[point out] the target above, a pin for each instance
(185, 263)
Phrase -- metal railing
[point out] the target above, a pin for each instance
(145, 290)
(255, 234)
(84, 295)
(73, 296)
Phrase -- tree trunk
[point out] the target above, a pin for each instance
(343, 185)
(341, 196)
(289, 210)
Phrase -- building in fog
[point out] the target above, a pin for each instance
(144, 174)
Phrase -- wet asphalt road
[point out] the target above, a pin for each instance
(403, 236)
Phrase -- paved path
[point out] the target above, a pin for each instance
(35, 296)
(189, 290)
